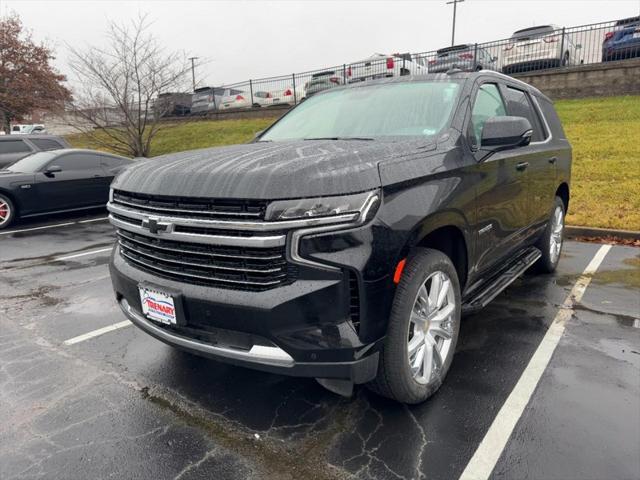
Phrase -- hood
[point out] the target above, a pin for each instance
(266, 171)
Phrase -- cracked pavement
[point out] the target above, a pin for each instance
(122, 405)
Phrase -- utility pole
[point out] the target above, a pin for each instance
(193, 71)
(453, 29)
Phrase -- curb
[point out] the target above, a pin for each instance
(577, 231)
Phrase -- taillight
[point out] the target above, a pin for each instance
(390, 63)
(468, 56)
(509, 46)
(432, 62)
(608, 36)
(287, 93)
(334, 80)
(550, 39)
(239, 97)
(268, 95)
(349, 71)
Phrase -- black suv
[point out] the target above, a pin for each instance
(346, 241)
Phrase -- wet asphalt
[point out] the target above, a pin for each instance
(123, 405)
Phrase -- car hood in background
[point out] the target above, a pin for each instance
(269, 170)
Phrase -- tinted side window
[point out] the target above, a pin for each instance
(14, 146)
(519, 105)
(76, 161)
(46, 144)
(552, 117)
(488, 104)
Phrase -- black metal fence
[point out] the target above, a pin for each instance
(531, 49)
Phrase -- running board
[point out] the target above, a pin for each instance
(501, 281)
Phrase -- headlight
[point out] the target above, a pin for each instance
(324, 207)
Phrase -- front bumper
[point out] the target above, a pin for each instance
(301, 329)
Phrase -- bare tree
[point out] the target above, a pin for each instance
(118, 86)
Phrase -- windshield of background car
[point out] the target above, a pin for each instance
(373, 111)
(32, 163)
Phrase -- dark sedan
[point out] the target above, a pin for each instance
(57, 181)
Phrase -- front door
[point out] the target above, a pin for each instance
(501, 193)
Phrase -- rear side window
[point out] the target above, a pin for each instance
(76, 161)
(112, 162)
(488, 104)
(45, 144)
(519, 105)
(551, 117)
(14, 146)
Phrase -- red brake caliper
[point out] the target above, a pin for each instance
(3, 210)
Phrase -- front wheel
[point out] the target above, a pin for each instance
(550, 244)
(423, 329)
(7, 212)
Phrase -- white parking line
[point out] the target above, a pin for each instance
(97, 333)
(490, 449)
(56, 225)
(83, 254)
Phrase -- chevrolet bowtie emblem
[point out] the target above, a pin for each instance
(154, 226)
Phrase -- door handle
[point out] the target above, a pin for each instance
(553, 160)
(522, 166)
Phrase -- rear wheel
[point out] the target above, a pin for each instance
(423, 329)
(7, 212)
(550, 244)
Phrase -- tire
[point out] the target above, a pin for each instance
(7, 212)
(552, 237)
(395, 378)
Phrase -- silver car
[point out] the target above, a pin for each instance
(467, 57)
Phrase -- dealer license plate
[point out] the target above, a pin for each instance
(158, 306)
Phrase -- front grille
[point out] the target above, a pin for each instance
(243, 268)
(221, 209)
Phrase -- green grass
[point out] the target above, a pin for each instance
(605, 187)
(604, 132)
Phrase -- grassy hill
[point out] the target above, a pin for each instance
(604, 132)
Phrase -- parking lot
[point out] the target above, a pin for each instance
(83, 394)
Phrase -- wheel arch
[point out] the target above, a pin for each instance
(563, 192)
(12, 197)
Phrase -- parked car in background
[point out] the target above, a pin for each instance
(380, 65)
(27, 129)
(57, 181)
(234, 98)
(321, 81)
(539, 47)
(14, 147)
(623, 41)
(173, 104)
(467, 57)
(347, 240)
(263, 98)
(206, 99)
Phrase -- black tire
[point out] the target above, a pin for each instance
(7, 219)
(395, 379)
(548, 262)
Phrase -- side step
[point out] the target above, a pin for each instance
(501, 281)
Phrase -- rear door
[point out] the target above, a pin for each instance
(79, 184)
(538, 154)
(502, 215)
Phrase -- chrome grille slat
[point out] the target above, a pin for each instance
(201, 265)
(164, 271)
(125, 234)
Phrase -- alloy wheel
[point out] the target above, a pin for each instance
(555, 242)
(430, 332)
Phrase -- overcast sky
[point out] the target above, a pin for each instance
(250, 39)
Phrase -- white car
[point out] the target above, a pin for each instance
(28, 129)
(380, 65)
(540, 47)
(264, 98)
(233, 99)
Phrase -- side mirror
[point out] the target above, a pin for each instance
(504, 133)
(53, 169)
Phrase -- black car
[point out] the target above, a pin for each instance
(346, 241)
(57, 181)
(15, 147)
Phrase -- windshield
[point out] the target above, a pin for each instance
(32, 163)
(373, 111)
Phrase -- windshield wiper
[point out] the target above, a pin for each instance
(341, 138)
